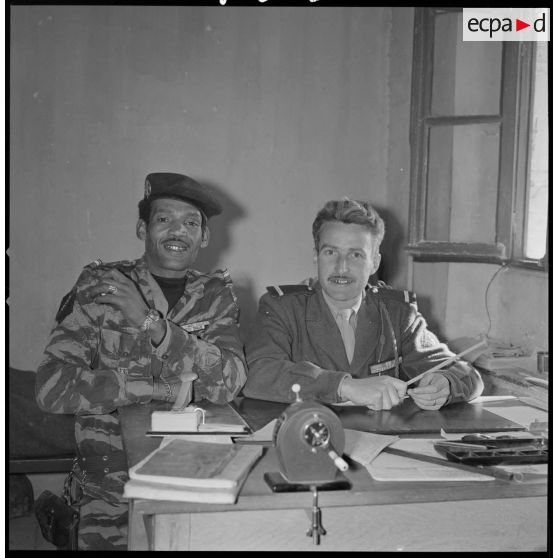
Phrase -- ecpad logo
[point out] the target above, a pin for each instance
(506, 24)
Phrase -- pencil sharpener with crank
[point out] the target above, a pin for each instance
(309, 440)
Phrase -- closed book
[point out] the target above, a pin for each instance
(203, 417)
(186, 463)
(159, 491)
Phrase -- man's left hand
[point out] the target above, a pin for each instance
(119, 291)
(432, 392)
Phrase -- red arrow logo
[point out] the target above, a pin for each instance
(519, 24)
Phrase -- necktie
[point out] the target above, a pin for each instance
(347, 331)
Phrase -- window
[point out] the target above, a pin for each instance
(536, 211)
(479, 144)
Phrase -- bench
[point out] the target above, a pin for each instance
(38, 442)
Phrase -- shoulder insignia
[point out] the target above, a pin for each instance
(225, 275)
(387, 292)
(281, 290)
(95, 264)
(66, 306)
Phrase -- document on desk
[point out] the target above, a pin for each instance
(363, 447)
(521, 414)
(389, 467)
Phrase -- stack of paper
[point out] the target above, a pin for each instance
(189, 471)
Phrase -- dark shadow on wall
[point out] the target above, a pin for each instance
(220, 228)
(425, 308)
(393, 254)
(219, 243)
(248, 304)
(392, 246)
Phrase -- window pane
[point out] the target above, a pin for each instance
(462, 183)
(467, 75)
(537, 198)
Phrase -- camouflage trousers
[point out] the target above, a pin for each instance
(103, 523)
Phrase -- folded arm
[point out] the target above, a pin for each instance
(93, 364)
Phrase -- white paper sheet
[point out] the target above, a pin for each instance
(363, 447)
(522, 414)
(388, 467)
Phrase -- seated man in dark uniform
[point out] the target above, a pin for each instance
(345, 340)
(131, 332)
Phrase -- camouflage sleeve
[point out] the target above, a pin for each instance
(421, 350)
(216, 355)
(272, 368)
(69, 379)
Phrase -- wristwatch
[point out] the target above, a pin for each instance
(151, 317)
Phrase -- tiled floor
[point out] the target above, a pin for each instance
(24, 534)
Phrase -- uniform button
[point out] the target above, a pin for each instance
(105, 470)
(105, 457)
(164, 357)
(125, 353)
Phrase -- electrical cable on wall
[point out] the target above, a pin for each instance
(503, 266)
(497, 348)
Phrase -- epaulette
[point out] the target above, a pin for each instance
(385, 291)
(225, 275)
(280, 290)
(122, 265)
(221, 277)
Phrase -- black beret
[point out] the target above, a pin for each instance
(174, 185)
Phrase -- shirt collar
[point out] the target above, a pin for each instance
(334, 310)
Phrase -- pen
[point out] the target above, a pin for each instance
(447, 361)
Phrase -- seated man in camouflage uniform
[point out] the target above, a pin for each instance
(129, 332)
(366, 357)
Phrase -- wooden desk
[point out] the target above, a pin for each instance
(372, 516)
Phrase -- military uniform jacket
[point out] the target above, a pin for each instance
(296, 340)
(95, 363)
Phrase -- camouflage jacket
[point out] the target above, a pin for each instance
(295, 339)
(95, 363)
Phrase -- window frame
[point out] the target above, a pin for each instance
(514, 121)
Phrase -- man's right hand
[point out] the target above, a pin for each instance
(376, 392)
(160, 391)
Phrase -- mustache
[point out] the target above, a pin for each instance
(178, 240)
(349, 277)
